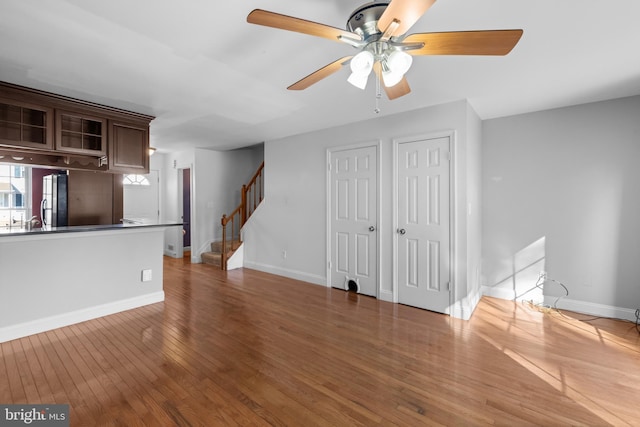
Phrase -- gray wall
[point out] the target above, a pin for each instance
(560, 193)
(217, 177)
(293, 215)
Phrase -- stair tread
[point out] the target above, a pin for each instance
(211, 254)
(230, 245)
(212, 258)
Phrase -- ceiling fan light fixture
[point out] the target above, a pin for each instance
(399, 61)
(359, 80)
(391, 78)
(394, 67)
(379, 30)
(362, 63)
(361, 66)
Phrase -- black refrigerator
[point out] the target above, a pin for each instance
(53, 206)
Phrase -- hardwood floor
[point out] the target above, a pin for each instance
(249, 348)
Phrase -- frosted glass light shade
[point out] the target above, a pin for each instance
(391, 78)
(396, 65)
(362, 63)
(359, 80)
(361, 66)
(399, 61)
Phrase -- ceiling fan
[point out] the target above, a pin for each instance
(379, 31)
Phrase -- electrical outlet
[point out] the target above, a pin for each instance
(146, 275)
(284, 254)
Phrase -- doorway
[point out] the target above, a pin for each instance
(423, 225)
(186, 210)
(183, 241)
(141, 198)
(352, 211)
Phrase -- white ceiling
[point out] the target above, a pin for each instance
(212, 80)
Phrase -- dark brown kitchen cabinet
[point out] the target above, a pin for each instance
(95, 198)
(66, 133)
(24, 125)
(129, 146)
(81, 133)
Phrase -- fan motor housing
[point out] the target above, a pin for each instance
(363, 21)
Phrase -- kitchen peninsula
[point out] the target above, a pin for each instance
(61, 276)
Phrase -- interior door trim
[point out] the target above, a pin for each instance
(372, 143)
(451, 134)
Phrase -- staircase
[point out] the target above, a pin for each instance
(215, 256)
(251, 196)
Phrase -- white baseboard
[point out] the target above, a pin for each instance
(21, 330)
(386, 296)
(293, 274)
(464, 308)
(196, 255)
(592, 309)
(502, 293)
(585, 307)
(172, 254)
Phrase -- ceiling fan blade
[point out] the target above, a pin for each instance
(320, 74)
(407, 12)
(284, 22)
(400, 89)
(393, 92)
(493, 42)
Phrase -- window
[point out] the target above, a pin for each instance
(133, 179)
(18, 200)
(15, 189)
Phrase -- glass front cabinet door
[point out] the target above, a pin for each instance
(23, 125)
(81, 134)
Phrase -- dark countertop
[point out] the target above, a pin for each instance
(81, 228)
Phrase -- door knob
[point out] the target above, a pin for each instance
(372, 228)
(402, 230)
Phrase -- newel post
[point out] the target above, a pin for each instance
(223, 255)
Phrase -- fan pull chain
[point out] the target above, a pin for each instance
(378, 95)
